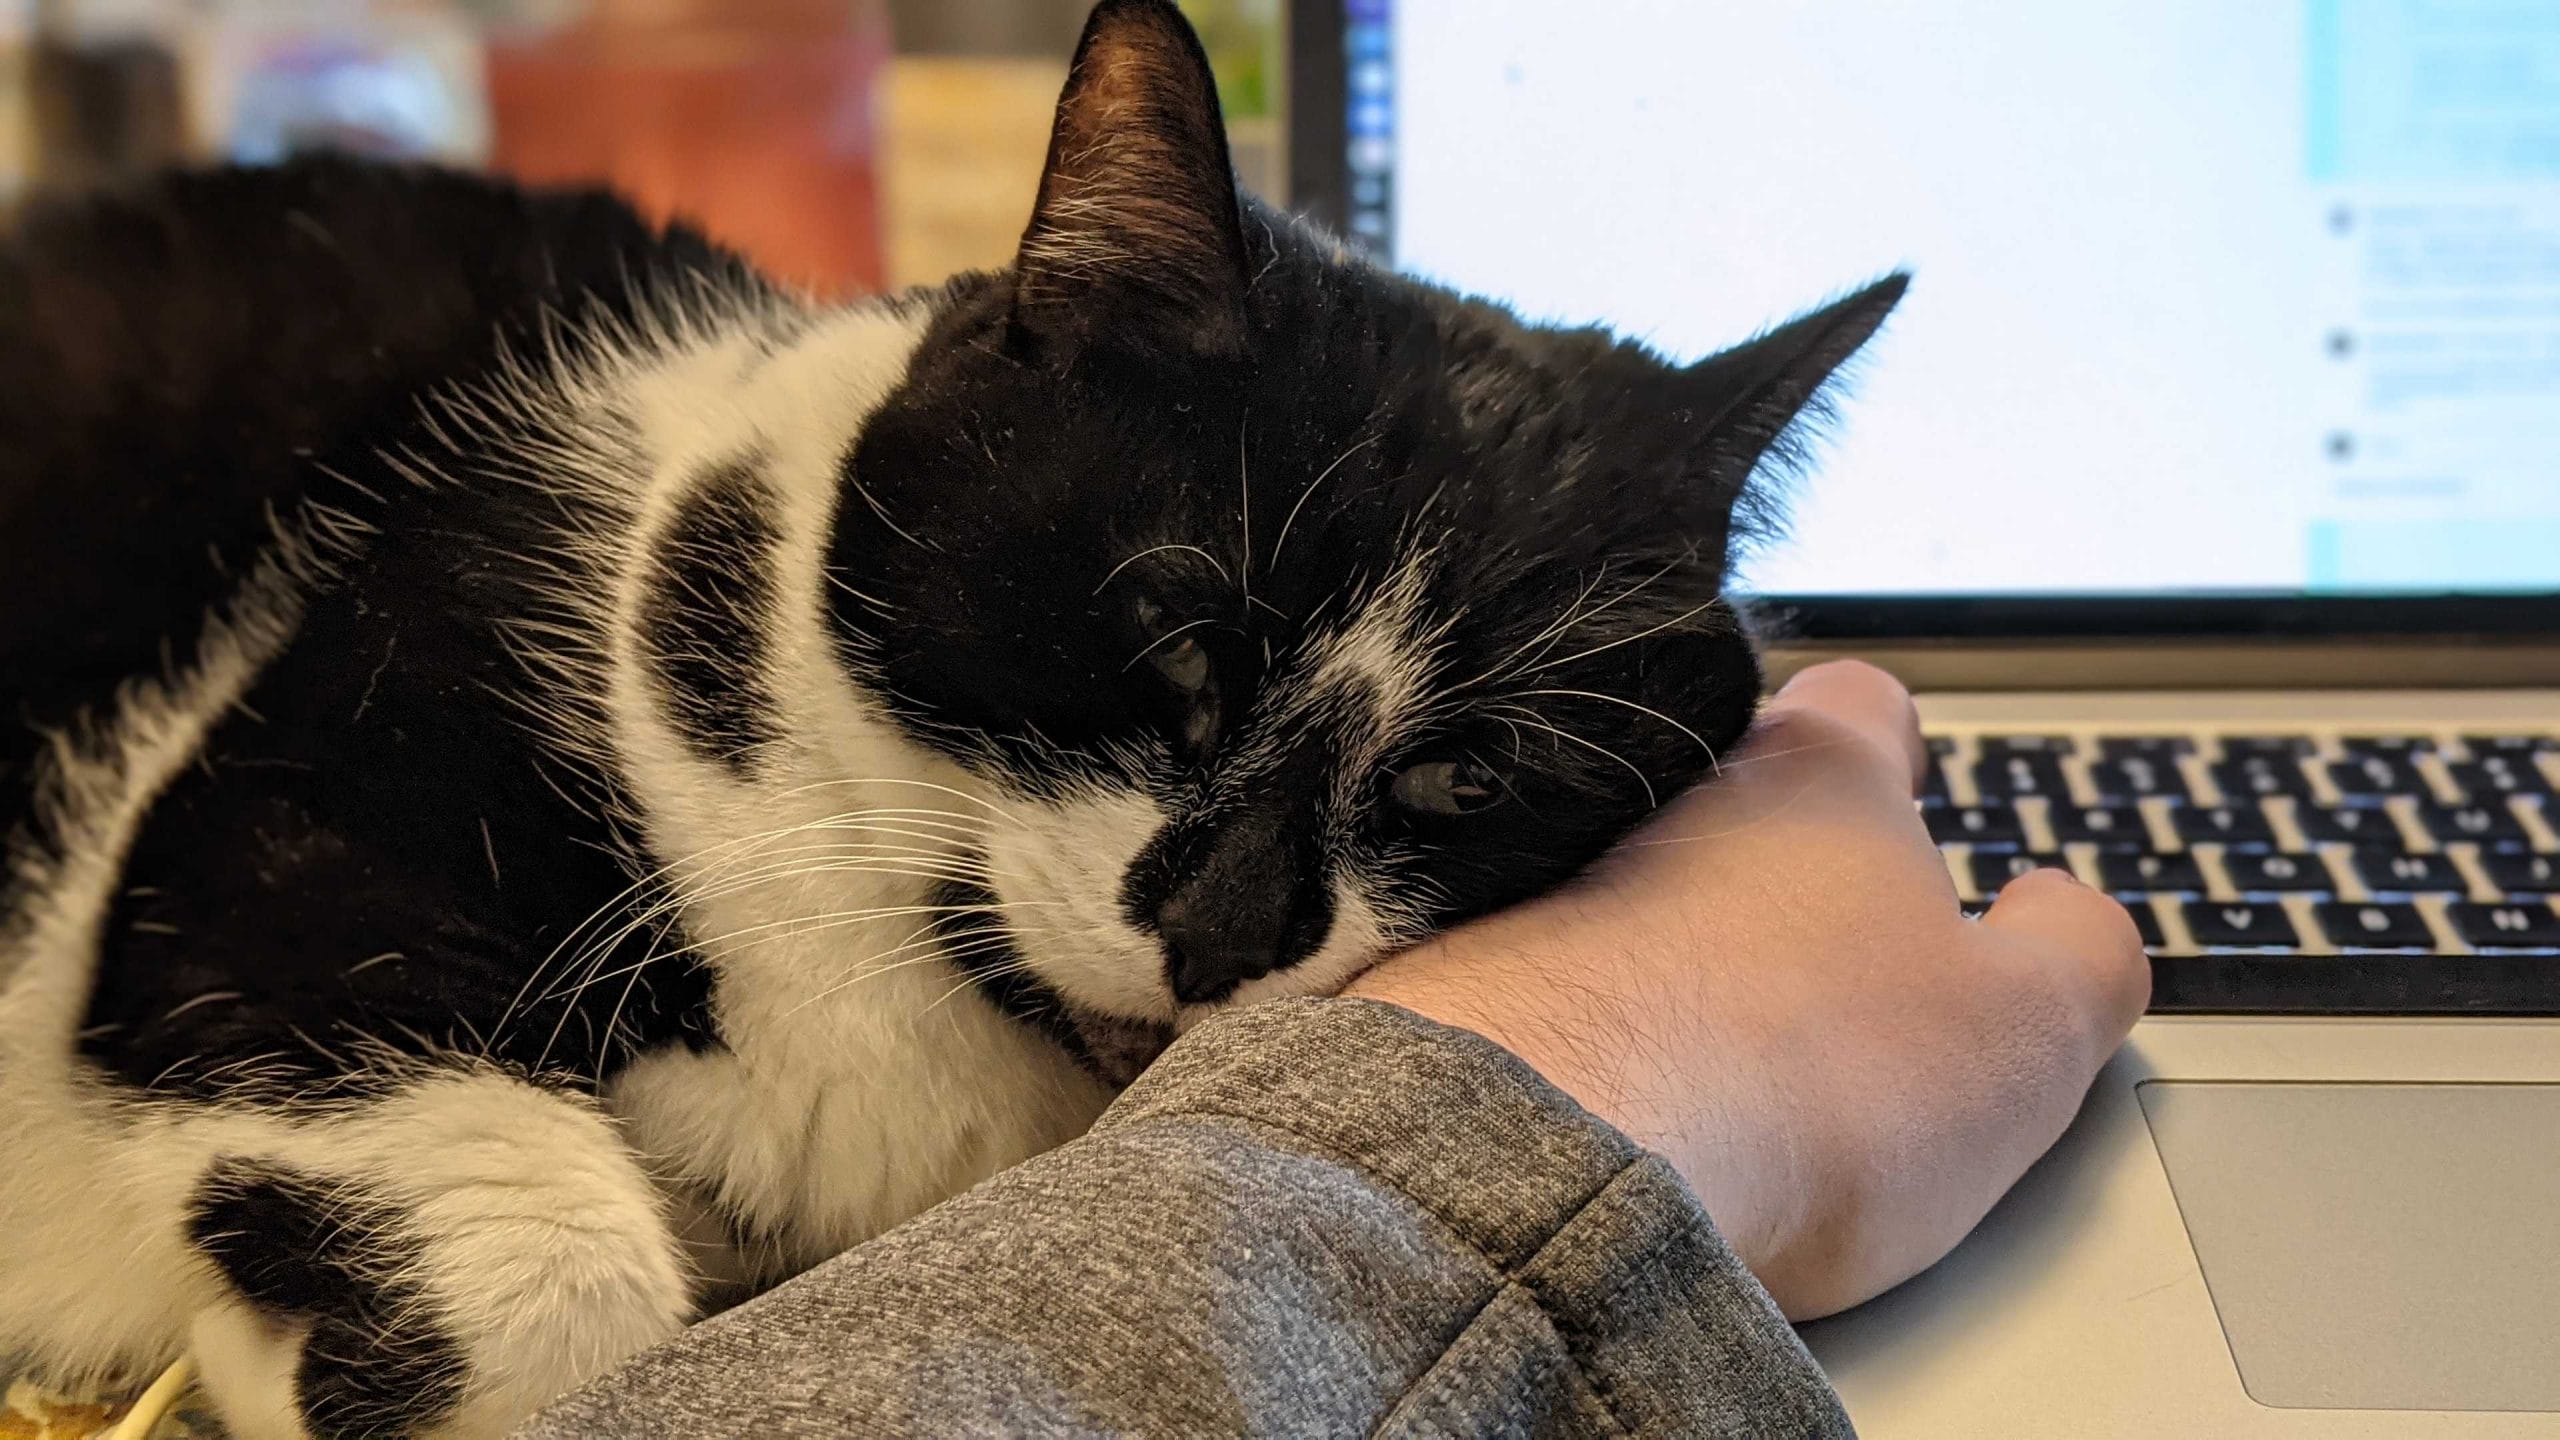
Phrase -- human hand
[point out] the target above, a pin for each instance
(1771, 986)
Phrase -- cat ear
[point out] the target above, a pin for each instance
(1136, 235)
(1754, 391)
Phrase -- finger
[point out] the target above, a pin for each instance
(1869, 702)
(2088, 932)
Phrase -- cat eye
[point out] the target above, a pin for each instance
(1447, 787)
(1184, 663)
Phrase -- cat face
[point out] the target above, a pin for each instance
(1293, 609)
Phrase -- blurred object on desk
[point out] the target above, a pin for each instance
(962, 142)
(388, 80)
(752, 118)
(103, 93)
(1243, 38)
(17, 53)
(779, 126)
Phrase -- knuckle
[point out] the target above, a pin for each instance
(1860, 673)
(2047, 886)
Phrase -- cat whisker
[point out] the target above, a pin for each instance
(938, 949)
(1652, 800)
(729, 851)
(1282, 543)
(1699, 740)
(1572, 609)
(1244, 505)
(978, 978)
(1173, 633)
(1158, 550)
(1652, 630)
(634, 970)
(792, 927)
(934, 786)
(785, 872)
(877, 604)
(842, 857)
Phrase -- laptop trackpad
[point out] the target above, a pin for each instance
(2375, 1247)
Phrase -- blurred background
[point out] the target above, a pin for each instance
(845, 145)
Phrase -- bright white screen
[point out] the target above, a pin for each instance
(2209, 295)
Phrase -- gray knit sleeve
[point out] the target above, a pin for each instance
(1320, 1217)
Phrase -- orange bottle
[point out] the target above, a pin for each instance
(751, 118)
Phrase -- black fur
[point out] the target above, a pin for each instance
(326, 1256)
(709, 606)
(193, 362)
(1239, 891)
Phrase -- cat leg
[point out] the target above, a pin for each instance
(441, 1258)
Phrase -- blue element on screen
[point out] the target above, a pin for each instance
(2401, 90)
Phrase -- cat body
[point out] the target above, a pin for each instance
(412, 813)
(562, 783)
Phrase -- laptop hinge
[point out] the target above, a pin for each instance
(2394, 664)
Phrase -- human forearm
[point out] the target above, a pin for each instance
(1309, 1218)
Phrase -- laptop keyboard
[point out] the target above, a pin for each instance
(2393, 873)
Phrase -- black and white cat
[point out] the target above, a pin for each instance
(555, 783)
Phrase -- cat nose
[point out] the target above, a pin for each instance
(1232, 900)
(1212, 946)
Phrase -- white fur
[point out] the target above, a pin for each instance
(861, 1082)
(89, 1253)
(544, 1248)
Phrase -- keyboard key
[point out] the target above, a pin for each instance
(2164, 748)
(2000, 747)
(2398, 747)
(2136, 874)
(2246, 777)
(2109, 827)
(2240, 925)
(1991, 871)
(2385, 873)
(2239, 825)
(2523, 874)
(2358, 826)
(2236, 745)
(2147, 921)
(1972, 909)
(2521, 926)
(2374, 776)
(1933, 783)
(2509, 744)
(2369, 926)
(1993, 827)
(2258, 874)
(2490, 825)
(2498, 774)
(1941, 745)
(2009, 776)
(2135, 776)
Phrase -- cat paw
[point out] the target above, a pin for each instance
(479, 1250)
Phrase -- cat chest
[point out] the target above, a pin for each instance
(817, 1124)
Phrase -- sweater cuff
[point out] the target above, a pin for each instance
(1456, 1122)
(1600, 1238)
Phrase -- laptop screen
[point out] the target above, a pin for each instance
(2209, 298)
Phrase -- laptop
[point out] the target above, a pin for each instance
(2207, 488)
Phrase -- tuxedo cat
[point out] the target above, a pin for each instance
(554, 782)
